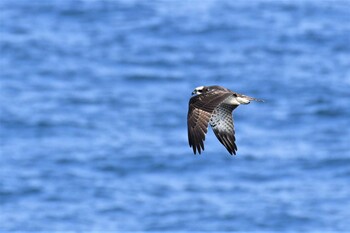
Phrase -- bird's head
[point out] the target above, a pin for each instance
(198, 90)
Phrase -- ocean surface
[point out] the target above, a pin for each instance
(94, 99)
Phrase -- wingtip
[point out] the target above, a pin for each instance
(232, 152)
(197, 150)
(194, 150)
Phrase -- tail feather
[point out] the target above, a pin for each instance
(255, 99)
(252, 98)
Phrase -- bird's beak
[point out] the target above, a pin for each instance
(194, 92)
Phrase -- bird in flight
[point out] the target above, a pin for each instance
(213, 105)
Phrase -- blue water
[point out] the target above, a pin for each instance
(94, 98)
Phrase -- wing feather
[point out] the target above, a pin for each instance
(199, 113)
(222, 124)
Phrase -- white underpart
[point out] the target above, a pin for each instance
(243, 100)
(238, 100)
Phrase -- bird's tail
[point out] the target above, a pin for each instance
(255, 99)
(248, 98)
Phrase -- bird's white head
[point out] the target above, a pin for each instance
(198, 90)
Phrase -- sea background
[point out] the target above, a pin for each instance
(94, 99)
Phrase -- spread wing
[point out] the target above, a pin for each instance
(199, 114)
(222, 124)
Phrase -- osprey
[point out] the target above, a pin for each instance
(213, 105)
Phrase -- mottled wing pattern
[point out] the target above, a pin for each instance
(199, 114)
(222, 124)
